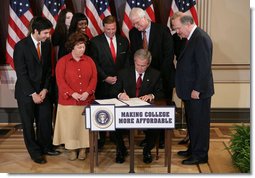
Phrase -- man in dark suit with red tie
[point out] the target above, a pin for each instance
(110, 53)
(158, 40)
(144, 82)
(194, 85)
(32, 61)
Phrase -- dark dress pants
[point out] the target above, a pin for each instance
(198, 117)
(151, 136)
(37, 140)
(120, 145)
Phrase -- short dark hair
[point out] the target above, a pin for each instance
(74, 39)
(41, 23)
(109, 19)
(74, 22)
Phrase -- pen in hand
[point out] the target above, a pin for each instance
(124, 95)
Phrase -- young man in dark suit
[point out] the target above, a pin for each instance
(160, 43)
(148, 89)
(110, 53)
(194, 85)
(32, 60)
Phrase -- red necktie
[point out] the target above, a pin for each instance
(38, 50)
(138, 84)
(112, 50)
(145, 43)
(187, 41)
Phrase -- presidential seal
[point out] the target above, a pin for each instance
(103, 118)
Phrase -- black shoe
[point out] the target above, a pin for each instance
(184, 141)
(120, 158)
(143, 143)
(192, 161)
(121, 153)
(39, 160)
(184, 153)
(147, 158)
(161, 145)
(52, 152)
(100, 144)
(124, 152)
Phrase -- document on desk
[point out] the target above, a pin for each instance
(136, 102)
(114, 101)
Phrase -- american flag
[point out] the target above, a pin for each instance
(51, 10)
(187, 6)
(20, 16)
(146, 5)
(96, 11)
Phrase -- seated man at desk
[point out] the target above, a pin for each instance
(138, 81)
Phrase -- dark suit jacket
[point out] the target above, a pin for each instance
(179, 45)
(162, 51)
(58, 39)
(101, 54)
(152, 83)
(193, 71)
(33, 74)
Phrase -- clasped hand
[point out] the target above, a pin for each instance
(38, 98)
(111, 80)
(80, 97)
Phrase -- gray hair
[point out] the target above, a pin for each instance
(187, 19)
(184, 18)
(175, 16)
(136, 12)
(143, 54)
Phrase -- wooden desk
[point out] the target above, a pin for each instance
(168, 146)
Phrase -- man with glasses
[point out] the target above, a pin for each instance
(158, 40)
(194, 85)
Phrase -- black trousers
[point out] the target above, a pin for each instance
(37, 140)
(120, 145)
(151, 136)
(198, 117)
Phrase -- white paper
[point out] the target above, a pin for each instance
(114, 101)
(136, 102)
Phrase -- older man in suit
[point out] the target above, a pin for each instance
(194, 85)
(144, 82)
(32, 60)
(110, 53)
(158, 40)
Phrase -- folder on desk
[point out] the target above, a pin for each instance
(130, 102)
(114, 101)
(136, 102)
